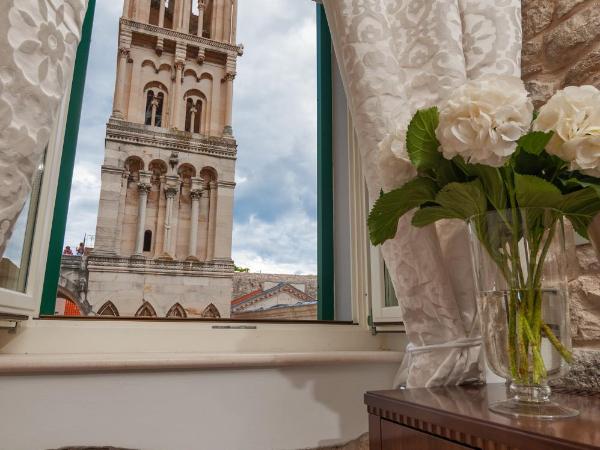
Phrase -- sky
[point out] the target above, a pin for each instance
(274, 122)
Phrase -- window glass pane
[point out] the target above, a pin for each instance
(14, 264)
(198, 198)
(390, 298)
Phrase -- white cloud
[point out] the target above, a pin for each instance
(83, 205)
(287, 245)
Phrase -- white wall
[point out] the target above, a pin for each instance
(287, 408)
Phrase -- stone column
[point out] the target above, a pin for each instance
(224, 222)
(195, 195)
(216, 26)
(176, 101)
(119, 104)
(187, 15)
(143, 189)
(227, 21)
(120, 212)
(161, 14)
(204, 223)
(126, 6)
(108, 210)
(228, 80)
(193, 112)
(154, 108)
(201, 6)
(234, 22)
(170, 193)
(212, 221)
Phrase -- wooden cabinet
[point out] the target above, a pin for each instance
(458, 418)
(398, 437)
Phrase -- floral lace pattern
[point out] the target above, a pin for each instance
(395, 58)
(38, 43)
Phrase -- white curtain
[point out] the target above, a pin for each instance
(397, 56)
(38, 43)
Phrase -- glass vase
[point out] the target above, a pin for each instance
(520, 271)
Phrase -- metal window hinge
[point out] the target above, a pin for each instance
(9, 325)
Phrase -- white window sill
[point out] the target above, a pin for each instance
(61, 363)
(43, 346)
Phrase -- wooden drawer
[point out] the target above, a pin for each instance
(398, 437)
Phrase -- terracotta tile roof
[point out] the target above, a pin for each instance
(244, 297)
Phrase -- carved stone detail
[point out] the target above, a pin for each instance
(171, 192)
(153, 30)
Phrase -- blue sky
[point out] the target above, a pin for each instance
(274, 123)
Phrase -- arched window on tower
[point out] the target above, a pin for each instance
(198, 116)
(194, 104)
(149, 101)
(156, 95)
(189, 106)
(147, 240)
(159, 109)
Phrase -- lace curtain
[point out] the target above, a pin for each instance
(396, 57)
(38, 43)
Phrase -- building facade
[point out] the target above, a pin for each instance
(164, 229)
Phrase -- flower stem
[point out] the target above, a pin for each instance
(564, 352)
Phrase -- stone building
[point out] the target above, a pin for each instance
(274, 297)
(163, 236)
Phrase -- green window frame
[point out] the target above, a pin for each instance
(67, 165)
(325, 269)
(325, 242)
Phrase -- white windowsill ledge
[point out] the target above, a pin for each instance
(62, 363)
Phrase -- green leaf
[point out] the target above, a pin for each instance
(575, 183)
(535, 192)
(491, 180)
(383, 219)
(535, 142)
(463, 200)
(421, 143)
(540, 165)
(447, 172)
(493, 185)
(581, 207)
(428, 215)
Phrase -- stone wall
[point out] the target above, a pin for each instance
(244, 283)
(293, 312)
(585, 299)
(561, 47)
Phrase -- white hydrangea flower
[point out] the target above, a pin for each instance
(574, 115)
(393, 161)
(483, 119)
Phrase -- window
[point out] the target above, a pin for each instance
(147, 240)
(193, 114)
(166, 199)
(72, 183)
(154, 104)
(14, 263)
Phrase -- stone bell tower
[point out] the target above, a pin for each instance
(163, 236)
